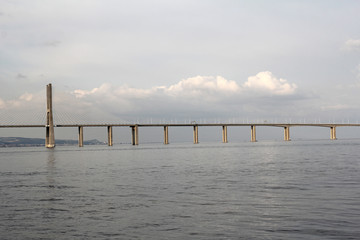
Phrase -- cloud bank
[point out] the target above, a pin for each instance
(200, 87)
(199, 96)
(195, 97)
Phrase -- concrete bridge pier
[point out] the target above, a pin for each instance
(333, 133)
(110, 135)
(253, 133)
(135, 135)
(224, 134)
(166, 134)
(81, 136)
(287, 133)
(196, 134)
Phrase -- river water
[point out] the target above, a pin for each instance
(264, 190)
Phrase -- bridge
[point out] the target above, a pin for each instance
(50, 137)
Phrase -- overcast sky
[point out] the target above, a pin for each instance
(183, 60)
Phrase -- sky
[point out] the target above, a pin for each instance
(176, 61)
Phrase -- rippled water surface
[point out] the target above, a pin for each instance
(263, 190)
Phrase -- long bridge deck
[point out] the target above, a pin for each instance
(188, 125)
(135, 126)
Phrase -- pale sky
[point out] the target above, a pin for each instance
(183, 60)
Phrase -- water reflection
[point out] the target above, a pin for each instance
(50, 194)
(50, 199)
(50, 168)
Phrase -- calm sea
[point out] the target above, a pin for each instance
(264, 190)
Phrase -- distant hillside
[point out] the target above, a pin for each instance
(33, 142)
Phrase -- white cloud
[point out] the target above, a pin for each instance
(194, 87)
(206, 88)
(26, 97)
(195, 95)
(204, 83)
(268, 83)
(107, 91)
(79, 93)
(352, 45)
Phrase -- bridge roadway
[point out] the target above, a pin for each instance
(188, 125)
(135, 138)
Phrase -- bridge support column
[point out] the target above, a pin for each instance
(50, 137)
(81, 136)
(253, 133)
(135, 135)
(287, 133)
(196, 134)
(333, 133)
(224, 134)
(110, 135)
(166, 135)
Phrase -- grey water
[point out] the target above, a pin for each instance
(263, 190)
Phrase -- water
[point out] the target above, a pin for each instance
(263, 190)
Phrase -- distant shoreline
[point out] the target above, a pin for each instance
(39, 142)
